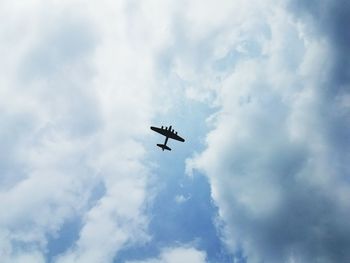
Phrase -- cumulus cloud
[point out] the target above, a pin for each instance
(78, 88)
(276, 156)
(80, 81)
(177, 254)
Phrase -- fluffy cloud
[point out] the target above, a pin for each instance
(79, 82)
(78, 88)
(177, 254)
(277, 155)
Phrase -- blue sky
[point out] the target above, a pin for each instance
(259, 90)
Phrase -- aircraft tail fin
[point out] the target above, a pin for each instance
(164, 147)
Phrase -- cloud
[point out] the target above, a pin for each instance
(331, 27)
(179, 199)
(276, 156)
(76, 95)
(46, 177)
(177, 254)
(81, 81)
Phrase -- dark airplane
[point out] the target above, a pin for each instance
(168, 133)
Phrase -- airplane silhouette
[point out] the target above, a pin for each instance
(168, 133)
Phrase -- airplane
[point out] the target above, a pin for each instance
(168, 133)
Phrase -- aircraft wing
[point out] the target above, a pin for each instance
(167, 133)
(175, 137)
(161, 131)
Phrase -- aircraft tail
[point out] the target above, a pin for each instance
(164, 147)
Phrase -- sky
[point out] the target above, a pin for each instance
(260, 90)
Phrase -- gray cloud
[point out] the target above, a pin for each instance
(277, 156)
(329, 20)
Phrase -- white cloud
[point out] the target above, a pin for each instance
(276, 157)
(181, 199)
(77, 95)
(177, 254)
(31, 257)
(80, 81)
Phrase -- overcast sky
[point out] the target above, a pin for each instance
(260, 90)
